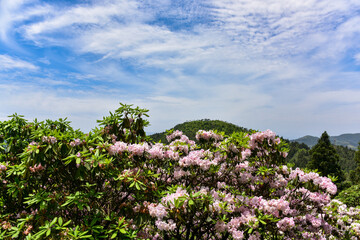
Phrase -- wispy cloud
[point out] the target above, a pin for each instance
(14, 12)
(260, 64)
(7, 62)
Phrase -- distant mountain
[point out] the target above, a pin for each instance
(310, 141)
(350, 140)
(190, 128)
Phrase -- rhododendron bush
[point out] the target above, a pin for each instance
(114, 183)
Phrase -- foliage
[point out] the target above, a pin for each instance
(301, 158)
(112, 183)
(325, 159)
(295, 147)
(190, 129)
(298, 154)
(350, 196)
(346, 158)
(355, 174)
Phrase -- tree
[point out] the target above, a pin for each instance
(324, 158)
(355, 174)
(301, 158)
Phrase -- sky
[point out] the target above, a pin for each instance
(286, 65)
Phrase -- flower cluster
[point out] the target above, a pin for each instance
(36, 168)
(49, 139)
(2, 168)
(244, 190)
(76, 142)
(208, 136)
(175, 135)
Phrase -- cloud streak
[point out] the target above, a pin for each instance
(7, 63)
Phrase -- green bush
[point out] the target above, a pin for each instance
(114, 183)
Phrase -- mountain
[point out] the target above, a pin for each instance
(310, 141)
(350, 140)
(190, 128)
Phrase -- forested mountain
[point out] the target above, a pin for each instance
(350, 140)
(310, 141)
(191, 127)
(347, 155)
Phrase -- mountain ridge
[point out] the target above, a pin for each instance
(350, 140)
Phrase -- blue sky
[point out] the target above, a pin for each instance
(286, 65)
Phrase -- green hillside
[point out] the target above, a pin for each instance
(347, 140)
(310, 141)
(191, 127)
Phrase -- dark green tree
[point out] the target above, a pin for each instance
(355, 174)
(301, 158)
(324, 158)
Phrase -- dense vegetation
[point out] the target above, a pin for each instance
(299, 154)
(191, 127)
(114, 183)
(324, 158)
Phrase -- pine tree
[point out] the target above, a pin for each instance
(324, 158)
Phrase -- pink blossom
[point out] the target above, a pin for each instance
(245, 154)
(165, 226)
(174, 135)
(285, 224)
(2, 168)
(118, 148)
(220, 226)
(138, 149)
(156, 151)
(237, 235)
(157, 210)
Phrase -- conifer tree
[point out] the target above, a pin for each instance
(324, 158)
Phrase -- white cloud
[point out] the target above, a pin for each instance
(279, 27)
(81, 18)
(357, 58)
(7, 62)
(15, 11)
(255, 29)
(259, 64)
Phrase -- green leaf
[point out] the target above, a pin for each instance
(114, 236)
(53, 221)
(262, 221)
(67, 223)
(60, 221)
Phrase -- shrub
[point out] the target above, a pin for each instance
(113, 183)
